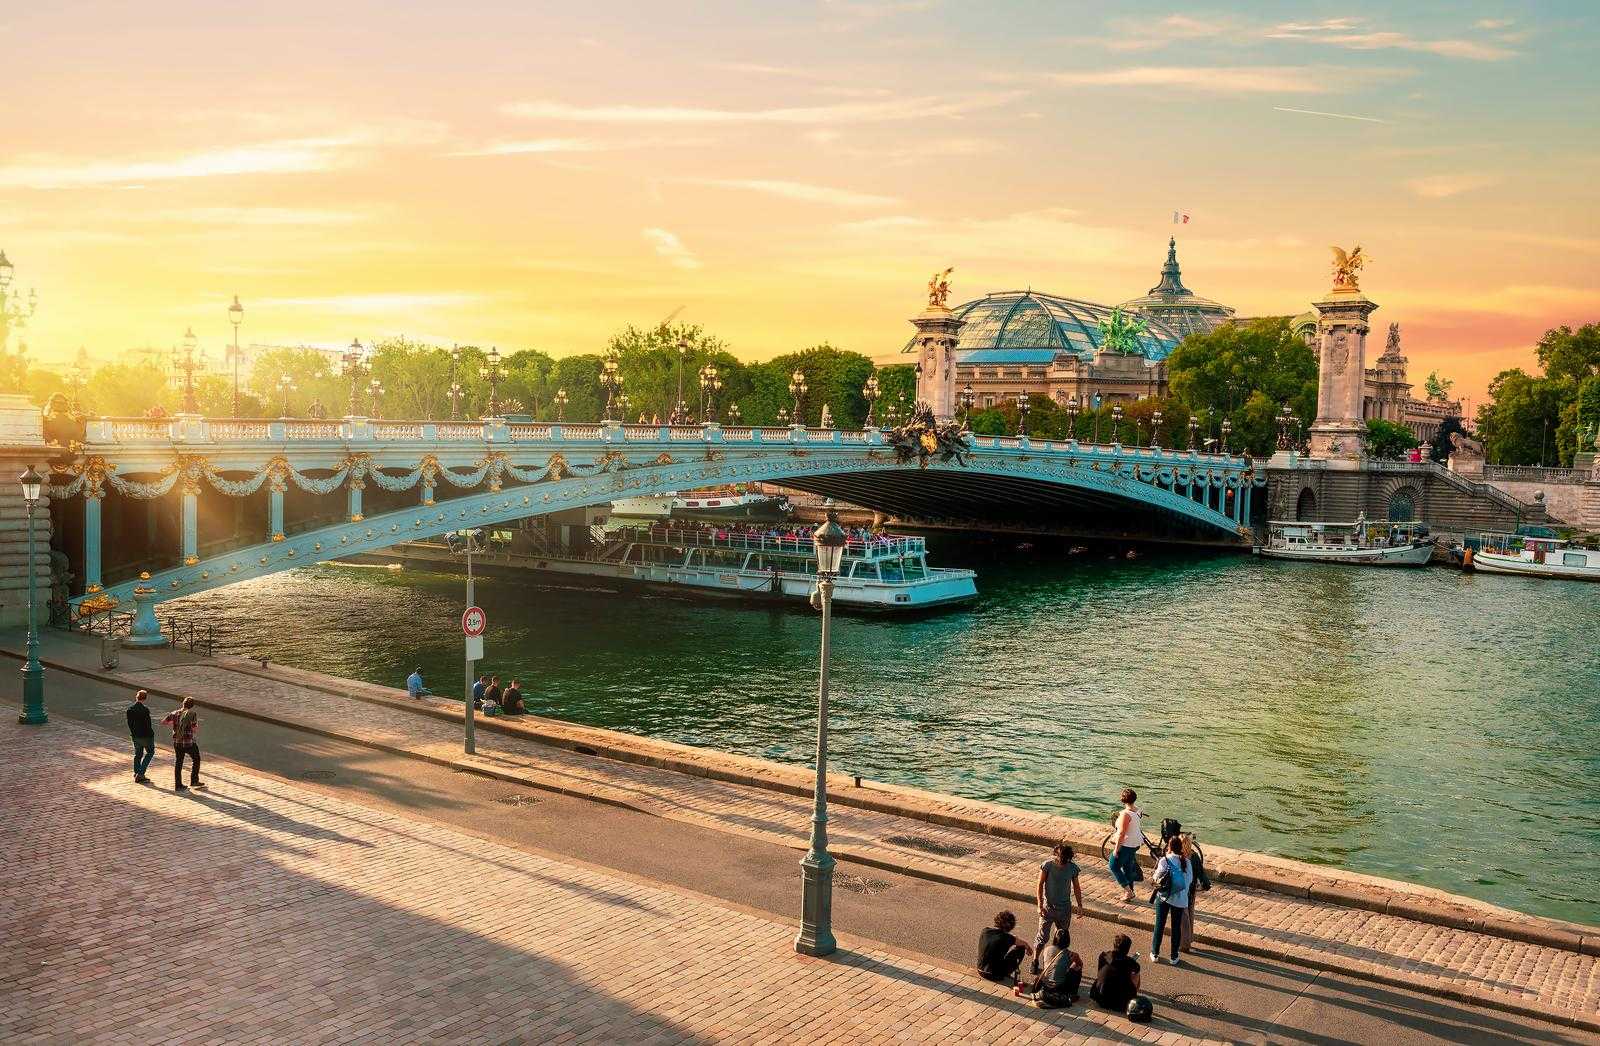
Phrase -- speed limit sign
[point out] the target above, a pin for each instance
(473, 621)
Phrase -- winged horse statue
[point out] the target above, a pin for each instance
(1345, 268)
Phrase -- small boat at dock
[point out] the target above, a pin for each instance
(1360, 543)
(1532, 557)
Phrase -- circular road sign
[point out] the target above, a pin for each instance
(473, 621)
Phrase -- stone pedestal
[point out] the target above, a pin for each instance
(1340, 431)
(22, 445)
(937, 330)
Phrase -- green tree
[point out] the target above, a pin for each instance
(834, 378)
(1244, 373)
(579, 378)
(1565, 353)
(121, 390)
(1519, 424)
(312, 374)
(897, 383)
(1388, 439)
(1580, 421)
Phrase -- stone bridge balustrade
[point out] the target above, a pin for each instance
(500, 471)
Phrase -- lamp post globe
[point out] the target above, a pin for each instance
(6, 270)
(1227, 429)
(1116, 424)
(1022, 413)
(32, 672)
(816, 905)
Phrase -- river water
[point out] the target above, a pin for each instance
(1425, 725)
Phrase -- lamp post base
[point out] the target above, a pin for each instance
(816, 907)
(32, 713)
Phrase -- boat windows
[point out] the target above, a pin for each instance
(1574, 559)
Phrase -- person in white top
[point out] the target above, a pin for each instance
(1124, 861)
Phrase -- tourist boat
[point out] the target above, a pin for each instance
(1532, 557)
(1359, 543)
(712, 506)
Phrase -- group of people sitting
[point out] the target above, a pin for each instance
(1056, 973)
(491, 699)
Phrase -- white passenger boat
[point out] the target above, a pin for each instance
(654, 506)
(1533, 557)
(719, 505)
(1359, 543)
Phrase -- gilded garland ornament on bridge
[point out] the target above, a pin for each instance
(923, 437)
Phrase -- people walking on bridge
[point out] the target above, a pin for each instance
(1058, 885)
(185, 723)
(1173, 876)
(143, 734)
(414, 685)
(1000, 952)
(1128, 828)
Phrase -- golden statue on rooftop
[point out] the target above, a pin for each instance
(1345, 268)
(939, 289)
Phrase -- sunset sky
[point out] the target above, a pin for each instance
(538, 175)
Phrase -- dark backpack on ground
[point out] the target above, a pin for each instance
(1139, 1010)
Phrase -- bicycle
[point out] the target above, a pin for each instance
(1107, 845)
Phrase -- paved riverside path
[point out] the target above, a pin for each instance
(259, 911)
(1428, 957)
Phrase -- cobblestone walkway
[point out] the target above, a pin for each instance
(1459, 963)
(256, 911)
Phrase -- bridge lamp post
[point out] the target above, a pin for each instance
(678, 405)
(1022, 413)
(734, 414)
(870, 393)
(490, 372)
(1072, 416)
(1138, 433)
(797, 389)
(236, 317)
(32, 671)
(1283, 428)
(783, 415)
(816, 905)
(350, 362)
(709, 384)
(1155, 431)
(561, 404)
(969, 399)
(455, 385)
(624, 404)
(13, 312)
(285, 386)
(187, 365)
(1116, 424)
(1194, 430)
(611, 381)
(1227, 428)
(375, 397)
(76, 378)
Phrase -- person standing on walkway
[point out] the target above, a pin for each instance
(1058, 884)
(1201, 883)
(143, 733)
(185, 723)
(1174, 875)
(1129, 833)
(414, 685)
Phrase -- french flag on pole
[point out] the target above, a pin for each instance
(1179, 218)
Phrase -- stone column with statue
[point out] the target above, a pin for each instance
(1340, 429)
(935, 346)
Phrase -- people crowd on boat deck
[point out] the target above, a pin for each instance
(859, 537)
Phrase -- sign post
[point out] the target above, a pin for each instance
(473, 622)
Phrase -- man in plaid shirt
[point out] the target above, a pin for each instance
(185, 723)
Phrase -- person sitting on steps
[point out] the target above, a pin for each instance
(1000, 952)
(1061, 972)
(1117, 981)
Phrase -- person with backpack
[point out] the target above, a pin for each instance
(143, 734)
(1117, 982)
(1058, 885)
(185, 723)
(1171, 829)
(1061, 973)
(1173, 876)
(1127, 828)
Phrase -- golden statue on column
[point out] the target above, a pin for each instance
(939, 289)
(1345, 270)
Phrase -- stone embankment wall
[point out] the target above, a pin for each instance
(1577, 504)
(1450, 504)
(21, 445)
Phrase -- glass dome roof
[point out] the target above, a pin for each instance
(1030, 327)
(1176, 306)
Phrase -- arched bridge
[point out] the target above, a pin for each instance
(426, 478)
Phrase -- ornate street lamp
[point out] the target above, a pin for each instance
(375, 398)
(1155, 431)
(734, 414)
(783, 415)
(455, 386)
(797, 389)
(1227, 428)
(624, 404)
(561, 404)
(32, 671)
(710, 385)
(490, 372)
(1116, 424)
(816, 905)
(1284, 419)
(1095, 439)
(1072, 415)
(678, 406)
(1022, 413)
(236, 317)
(611, 381)
(285, 386)
(870, 393)
(187, 365)
(350, 364)
(14, 312)
(969, 399)
(1194, 430)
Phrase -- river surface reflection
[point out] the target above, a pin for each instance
(1426, 725)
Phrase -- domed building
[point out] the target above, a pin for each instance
(1175, 306)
